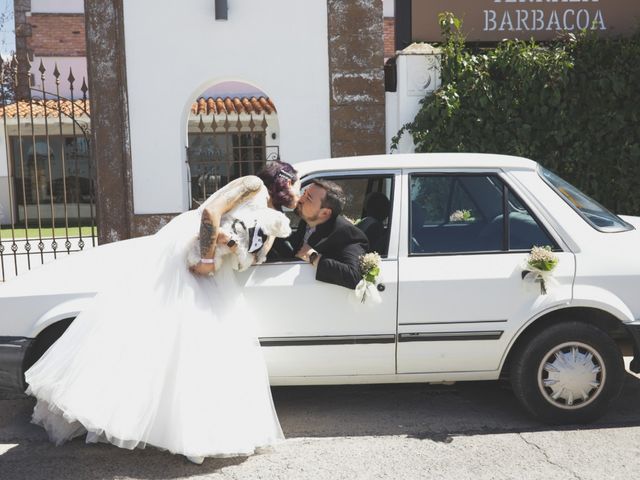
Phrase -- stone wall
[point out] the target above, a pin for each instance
(356, 76)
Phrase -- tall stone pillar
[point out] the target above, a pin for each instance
(111, 146)
(23, 33)
(356, 76)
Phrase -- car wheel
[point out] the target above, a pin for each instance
(568, 373)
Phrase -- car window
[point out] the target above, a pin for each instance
(453, 213)
(368, 205)
(525, 231)
(595, 214)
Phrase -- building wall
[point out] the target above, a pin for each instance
(51, 31)
(389, 37)
(259, 44)
(57, 6)
(5, 214)
(54, 34)
(388, 8)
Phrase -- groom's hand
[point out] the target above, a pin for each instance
(303, 253)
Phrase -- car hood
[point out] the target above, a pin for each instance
(635, 221)
(79, 273)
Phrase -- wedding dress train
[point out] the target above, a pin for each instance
(161, 357)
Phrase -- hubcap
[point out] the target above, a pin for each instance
(571, 375)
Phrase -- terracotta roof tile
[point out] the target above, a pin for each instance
(220, 105)
(204, 106)
(24, 109)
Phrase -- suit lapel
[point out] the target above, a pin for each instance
(322, 233)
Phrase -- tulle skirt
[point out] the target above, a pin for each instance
(162, 358)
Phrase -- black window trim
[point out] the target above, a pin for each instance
(506, 189)
(367, 174)
(578, 211)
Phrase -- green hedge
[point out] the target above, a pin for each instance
(573, 105)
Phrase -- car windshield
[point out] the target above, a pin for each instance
(595, 214)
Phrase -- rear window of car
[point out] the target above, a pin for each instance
(595, 214)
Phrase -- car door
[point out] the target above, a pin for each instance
(309, 328)
(465, 238)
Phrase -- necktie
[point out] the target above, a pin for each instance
(308, 233)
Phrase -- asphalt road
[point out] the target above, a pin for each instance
(465, 431)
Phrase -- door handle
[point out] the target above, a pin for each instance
(381, 287)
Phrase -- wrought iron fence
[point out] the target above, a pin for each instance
(224, 147)
(47, 184)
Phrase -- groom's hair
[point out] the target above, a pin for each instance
(334, 198)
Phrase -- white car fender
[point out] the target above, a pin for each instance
(589, 296)
(62, 311)
(602, 299)
(559, 305)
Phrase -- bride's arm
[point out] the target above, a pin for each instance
(220, 203)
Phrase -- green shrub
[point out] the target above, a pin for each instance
(573, 105)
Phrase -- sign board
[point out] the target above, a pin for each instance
(495, 20)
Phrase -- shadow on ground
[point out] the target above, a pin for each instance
(428, 412)
(435, 412)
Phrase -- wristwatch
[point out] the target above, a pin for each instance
(313, 256)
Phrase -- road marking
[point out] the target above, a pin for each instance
(4, 448)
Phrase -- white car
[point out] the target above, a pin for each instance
(455, 235)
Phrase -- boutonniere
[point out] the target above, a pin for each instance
(539, 268)
(370, 270)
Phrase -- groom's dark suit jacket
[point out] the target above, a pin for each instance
(340, 243)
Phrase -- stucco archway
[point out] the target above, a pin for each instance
(231, 130)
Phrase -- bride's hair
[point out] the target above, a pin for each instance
(276, 176)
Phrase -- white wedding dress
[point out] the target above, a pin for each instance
(162, 357)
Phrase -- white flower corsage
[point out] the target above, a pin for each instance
(539, 267)
(370, 269)
(461, 216)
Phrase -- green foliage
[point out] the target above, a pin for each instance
(573, 105)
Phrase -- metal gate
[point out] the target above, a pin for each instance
(228, 139)
(47, 180)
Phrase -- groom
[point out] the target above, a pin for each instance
(325, 238)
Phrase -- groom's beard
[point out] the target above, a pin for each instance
(304, 217)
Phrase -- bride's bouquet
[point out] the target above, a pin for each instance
(370, 269)
(539, 267)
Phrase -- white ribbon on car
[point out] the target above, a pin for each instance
(544, 277)
(367, 292)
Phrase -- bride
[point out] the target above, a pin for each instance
(166, 356)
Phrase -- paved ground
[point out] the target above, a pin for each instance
(466, 431)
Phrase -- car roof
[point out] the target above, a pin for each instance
(417, 160)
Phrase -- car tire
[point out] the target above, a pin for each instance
(568, 373)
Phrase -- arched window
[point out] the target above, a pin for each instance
(232, 131)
